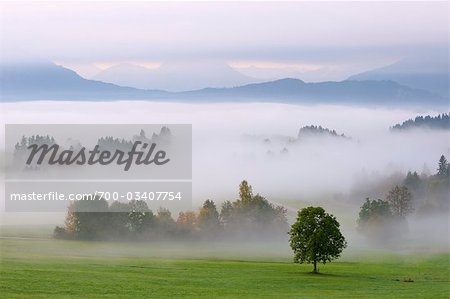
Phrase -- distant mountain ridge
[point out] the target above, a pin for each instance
(431, 74)
(175, 76)
(47, 81)
(351, 92)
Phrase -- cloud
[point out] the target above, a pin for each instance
(290, 32)
(221, 158)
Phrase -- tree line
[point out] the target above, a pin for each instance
(318, 130)
(381, 218)
(250, 216)
(441, 121)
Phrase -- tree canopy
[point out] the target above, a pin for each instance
(316, 237)
(399, 199)
(441, 121)
(250, 216)
(443, 166)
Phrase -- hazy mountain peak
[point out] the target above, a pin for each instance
(175, 75)
(289, 81)
(46, 80)
(127, 65)
(429, 73)
(51, 82)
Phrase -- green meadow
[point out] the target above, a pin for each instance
(48, 268)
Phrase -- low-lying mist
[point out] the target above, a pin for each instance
(259, 142)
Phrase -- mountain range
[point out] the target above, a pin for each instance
(296, 91)
(427, 73)
(48, 81)
(175, 76)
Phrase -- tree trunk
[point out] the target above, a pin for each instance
(315, 266)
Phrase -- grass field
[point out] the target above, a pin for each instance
(46, 268)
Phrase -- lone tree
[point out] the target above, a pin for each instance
(315, 237)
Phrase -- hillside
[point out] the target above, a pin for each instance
(425, 122)
(348, 92)
(431, 74)
(48, 81)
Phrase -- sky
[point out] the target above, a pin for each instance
(330, 40)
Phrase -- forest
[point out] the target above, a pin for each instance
(423, 195)
(441, 121)
(250, 216)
